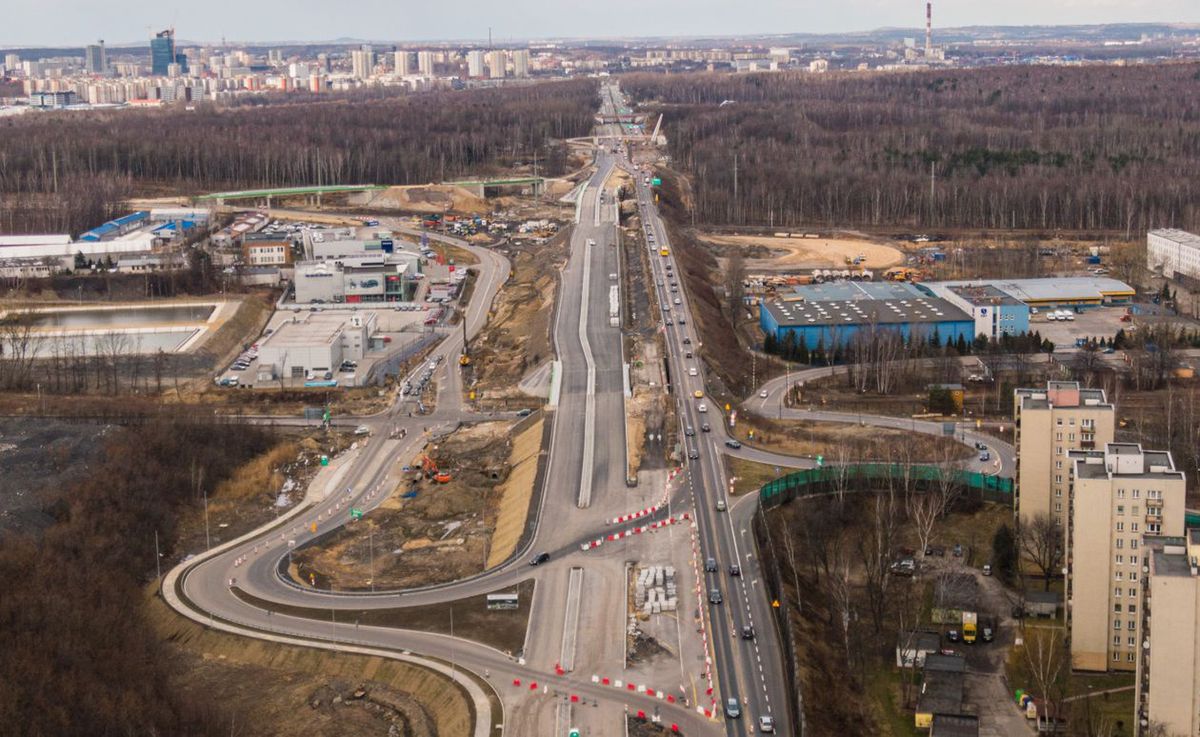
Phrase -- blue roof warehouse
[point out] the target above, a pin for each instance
(831, 314)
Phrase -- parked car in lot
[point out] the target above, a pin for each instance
(953, 636)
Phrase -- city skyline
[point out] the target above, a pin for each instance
(78, 23)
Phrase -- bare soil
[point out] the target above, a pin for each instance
(441, 533)
(427, 198)
(796, 253)
(517, 337)
(835, 439)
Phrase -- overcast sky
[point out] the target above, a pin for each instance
(75, 22)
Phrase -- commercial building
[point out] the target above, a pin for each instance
(1119, 495)
(1074, 292)
(1174, 252)
(1049, 423)
(266, 249)
(832, 314)
(163, 55)
(1168, 671)
(995, 312)
(313, 343)
(380, 278)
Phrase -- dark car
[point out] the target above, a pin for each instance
(714, 596)
(693, 454)
(735, 570)
(710, 564)
(687, 341)
(539, 559)
(952, 636)
(689, 431)
(988, 634)
(748, 632)
(706, 427)
(935, 550)
(733, 443)
(688, 354)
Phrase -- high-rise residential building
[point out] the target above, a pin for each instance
(520, 59)
(1051, 422)
(497, 64)
(475, 63)
(95, 61)
(324, 64)
(425, 62)
(1121, 494)
(403, 63)
(1167, 695)
(363, 61)
(12, 62)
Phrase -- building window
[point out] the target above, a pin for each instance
(1133, 526)
(1133, 575)
(1120, 559)
(1116, 640)
(1120, 527)
(1116, 624)
(1132, 625)
(1116, 656)
(1058, 478)
(1120, 543)
(1058, 464)
(1118, 575)
(1058, 508)
(1134, 511)
(1120, 493)
(1120, 509)
(1117, 607)
(1117, 592)
(1133, 608)
(1071, 437)
(1058, 436)
(1072, 421)
(1057, 491)
(1133, 592)
(1133, 544)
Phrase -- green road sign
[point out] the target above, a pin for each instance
(356, 513)
(573, 733)
(656, 182)
(820, 461)
(324, 460)
(326, 417)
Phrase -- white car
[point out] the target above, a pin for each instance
(763, 394)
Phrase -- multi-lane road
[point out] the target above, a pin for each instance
(585, 486)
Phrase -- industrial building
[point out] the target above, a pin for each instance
(831, 314)
(378, 278)
(1173, 252)
(1119, 494)
(266, 249)
(313, 343)
(1076, 292)
(994, 311)
(1050, 423)
(1168, 677)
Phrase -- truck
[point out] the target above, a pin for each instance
(970, 627)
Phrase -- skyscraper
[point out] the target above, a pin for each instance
(425, 62)
(497, 64)
(94, 59)
(162, 52)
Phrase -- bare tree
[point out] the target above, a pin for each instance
(1042, 541)
(1048, 662)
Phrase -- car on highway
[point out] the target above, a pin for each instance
(362, 430)
(539, 559)
(706, 427)
(693, 454)
(698, 394)
(748, 632)
(678, 301)
(764, 394)
(733, 708)
(687, 341)
(714, 596)
(689, 431)
(703, 407)
(766, 724)
(681, 321)
(985, 455)
(692, 371)
(688, 354)
(733, 444)
(721, 505)
(735, 570)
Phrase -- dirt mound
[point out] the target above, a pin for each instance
(426, 198)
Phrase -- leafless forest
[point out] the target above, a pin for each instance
(69, 171)
(79, 657)
(1044, 148)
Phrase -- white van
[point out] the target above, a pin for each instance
(692, 371)
(703, 408)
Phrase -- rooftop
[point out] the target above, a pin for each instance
(984, 294)
(1181, 237)
(955, 725)
(1062, 394)
(865, 309)
(314, 328)
(840, 291)
(1057, 289)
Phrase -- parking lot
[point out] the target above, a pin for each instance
(1098, 322)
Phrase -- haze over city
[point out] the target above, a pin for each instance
(76, 21)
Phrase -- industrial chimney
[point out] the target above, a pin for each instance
(928, 30)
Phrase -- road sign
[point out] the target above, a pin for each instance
(820, 461)
(573, 732)
(656, 182)
(775, 603)
(324, 460)
(356, 513)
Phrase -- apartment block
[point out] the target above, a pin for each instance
(1049, 423)
(1168, 679)
(1118, 495)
